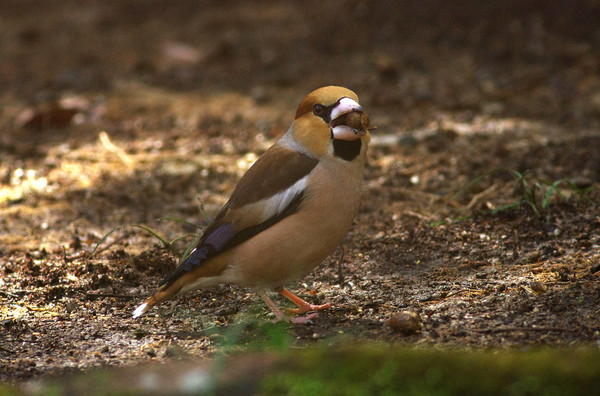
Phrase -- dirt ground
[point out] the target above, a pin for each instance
(480, 209)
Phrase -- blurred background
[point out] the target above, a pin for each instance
(225, 77)
(528, 59)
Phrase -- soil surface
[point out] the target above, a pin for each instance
(480, 208)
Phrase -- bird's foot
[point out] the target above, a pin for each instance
(303, 306)
(308, 319)
(306, 307)
(304, 319)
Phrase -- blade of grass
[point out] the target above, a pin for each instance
(550, 191)
(580, 191)
(154, 234)
(102, 240)
(189, 248)
(506, 207)
(169, 245)
(517, 175)
(180, 221)
(203, 211)
(179, 238)
(474, 182)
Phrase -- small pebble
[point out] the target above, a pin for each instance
(71, 306)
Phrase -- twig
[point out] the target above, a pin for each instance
(113, 148)
(454, 293)
(8, 294)
(7, 350)
(38, 309)
(102, 295)
(339, 267)
(417, 215)
(117, 240)
(76, 256)
(517, 247)
(481, 195)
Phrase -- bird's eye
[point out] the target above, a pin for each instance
(318, 109)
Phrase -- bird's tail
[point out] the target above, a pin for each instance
(184, 279)
(163, 294)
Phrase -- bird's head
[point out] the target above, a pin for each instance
(331, 120)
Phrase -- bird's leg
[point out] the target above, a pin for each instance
(279, 316)
(271, 304)
(303, 306)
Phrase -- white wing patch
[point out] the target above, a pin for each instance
(270, 207)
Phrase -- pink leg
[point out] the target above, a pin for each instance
(271, 304)
(303, 306)
(279, 316)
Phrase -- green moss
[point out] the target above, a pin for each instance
(382, 371)
(6, 390)
(361, 370)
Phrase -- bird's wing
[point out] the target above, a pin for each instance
(272, 189)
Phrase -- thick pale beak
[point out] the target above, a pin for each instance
(348, 120)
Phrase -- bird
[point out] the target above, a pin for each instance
(288, 212)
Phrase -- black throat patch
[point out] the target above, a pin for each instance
(347, 149)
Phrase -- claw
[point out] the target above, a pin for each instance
(303, 307)
(306, 308)
(305, 319)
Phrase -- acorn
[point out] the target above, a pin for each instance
(405, 322)
(356, 120)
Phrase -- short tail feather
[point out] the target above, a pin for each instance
(187, 273)
(139, 311)
(160, 296)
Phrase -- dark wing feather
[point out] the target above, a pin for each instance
(275, 172)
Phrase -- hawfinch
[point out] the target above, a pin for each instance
(288, 212)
